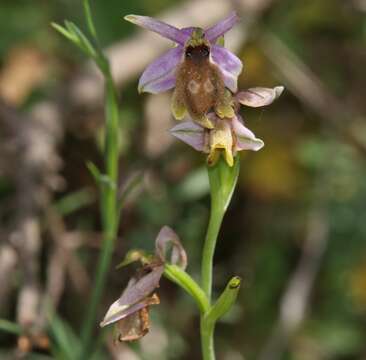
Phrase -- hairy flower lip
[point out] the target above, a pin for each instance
(159, 76)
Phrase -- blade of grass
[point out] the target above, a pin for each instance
(10, 327)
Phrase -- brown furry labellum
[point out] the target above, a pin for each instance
(200, 87)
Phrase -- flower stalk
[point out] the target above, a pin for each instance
(181, 278)
(223, 179)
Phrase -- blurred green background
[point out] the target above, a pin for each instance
(295, 231)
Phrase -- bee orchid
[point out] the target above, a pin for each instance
(228, 135)
(198, 68)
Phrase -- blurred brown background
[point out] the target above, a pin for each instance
(295, 231)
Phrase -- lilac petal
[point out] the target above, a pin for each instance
(167, 240)
(245, 139)
(163, 29)
(159, 76)
(259, 96)
(222, 27)
(229, 64)
(190, 133)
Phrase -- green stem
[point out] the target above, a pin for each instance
(214, 225)
(181, 278)
(223, 180)
(207, 327)
(109, 214)
(207, 339)
(214, 313)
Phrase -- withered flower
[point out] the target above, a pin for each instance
(228, 135)
(130, 313)
(198, 68)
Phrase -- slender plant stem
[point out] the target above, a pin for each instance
(207, 328)
(214, 225)
(180, 277)
(222, 183)
(107, 180)
(109, 213)
(207, 339)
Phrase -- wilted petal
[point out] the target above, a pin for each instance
(190, 133)
(229, 64)
(223, 26)
(167, 240)
(163, 29)
(136, 325)
(138, 289)
(245, 139)
(259, 96)
(159, 76)
(134, 296)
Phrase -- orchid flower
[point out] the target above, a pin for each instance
(198, 68)
(229, 135)
(130, 312)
